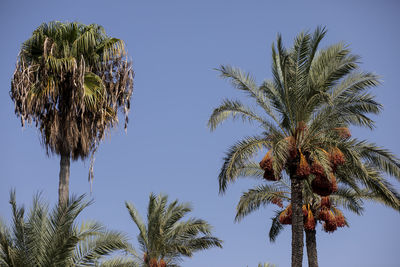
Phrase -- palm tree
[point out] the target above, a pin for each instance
(49, 239)
(165, 238)
(70, 80)
(309, 105)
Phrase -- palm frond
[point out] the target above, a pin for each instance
(234, 109)
(237, 156)
(259, 196)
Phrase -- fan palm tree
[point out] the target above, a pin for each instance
(164, 239)
(50, 239)
(70, 80)
(315, 208)
(314, 97)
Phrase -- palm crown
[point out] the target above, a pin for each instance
(165, 238)
(48, 239)
(70, 80)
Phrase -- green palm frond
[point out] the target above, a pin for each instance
(139, 223)
(244, 81)
(240, 153)
(234, 109)
(120, 262)
(51, 238)
(260, 196)
(349, 199)
(276, 227)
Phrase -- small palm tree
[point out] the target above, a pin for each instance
(165, 238)
(49, 239)
(306, 111)
(70, 80)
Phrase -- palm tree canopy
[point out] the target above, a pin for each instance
(165, 237)
(49, 239)
(70, 80)
(305, 110)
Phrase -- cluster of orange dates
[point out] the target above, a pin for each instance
(301, 166)
(331, 216)
(154, 262)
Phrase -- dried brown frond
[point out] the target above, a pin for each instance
(162, 263)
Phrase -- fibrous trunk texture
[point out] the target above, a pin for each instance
(311, 244)
(63, 187)
(297, 221)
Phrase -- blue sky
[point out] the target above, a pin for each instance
(175, 46)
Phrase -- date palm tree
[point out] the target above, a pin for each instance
(164, 239)
(49, 239)
(307, 109)
(70, 80)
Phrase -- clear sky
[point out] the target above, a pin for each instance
(175, 45)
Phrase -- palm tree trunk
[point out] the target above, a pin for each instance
(311, 245)
(63, 186)
(297, 222)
